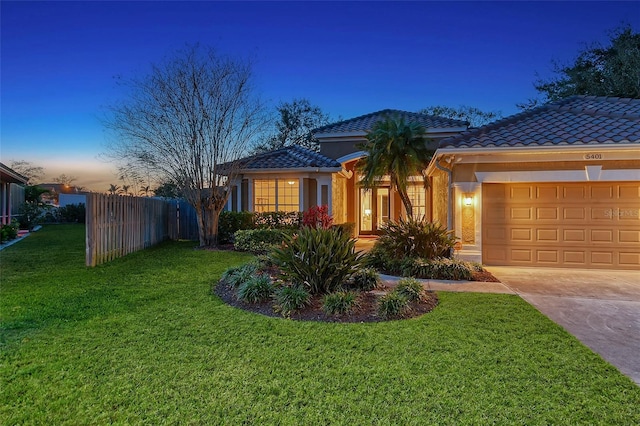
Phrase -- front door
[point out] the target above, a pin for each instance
(374, 209)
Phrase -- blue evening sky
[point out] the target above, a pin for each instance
(58, 59)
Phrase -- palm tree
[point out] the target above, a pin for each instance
(398, 150)
(145, 190)
(114, 189)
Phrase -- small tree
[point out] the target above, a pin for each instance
(65, 180)
(612, 70)
(296, 121)
(396, 149)
(472, 115)
(189, 121)
(167, 190)
(27, 169)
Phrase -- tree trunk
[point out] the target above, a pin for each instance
(403, 196)
(407, 203)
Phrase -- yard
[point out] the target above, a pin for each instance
(143, 340)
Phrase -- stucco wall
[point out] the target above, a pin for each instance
(466, 172)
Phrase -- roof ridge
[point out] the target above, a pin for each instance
(360, 117)
(375, 116)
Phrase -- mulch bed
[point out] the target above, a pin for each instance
(485, 276)
(366, 311)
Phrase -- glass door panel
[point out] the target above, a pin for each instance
(382, 206)
(366, 211)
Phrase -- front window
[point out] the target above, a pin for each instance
(417, 196)
(272, 195)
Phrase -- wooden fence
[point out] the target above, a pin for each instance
(119, 225)
(183, 223)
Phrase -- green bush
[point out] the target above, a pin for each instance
(379, 258)
(258, 241)
(72, 213)
(290, 298)
(257, 289)
(9, 231)
(320, 259)
(444, 269)
(237, 275)
(415, 238)
(365, 279)
(31, 214)
(393, 305)
(348, 228)
(340, 302)
(278, 220)
(230, 222)
(411, 289)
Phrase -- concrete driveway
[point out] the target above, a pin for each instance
(599, 307)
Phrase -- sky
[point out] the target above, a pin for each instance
(59, 60)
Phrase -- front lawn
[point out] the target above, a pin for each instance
(143, 340)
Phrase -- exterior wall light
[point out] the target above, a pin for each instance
(467, 200)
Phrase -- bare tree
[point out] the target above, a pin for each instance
(294, 126)
(474, 116)
(65, 180)
(27, 169)
(189, 120)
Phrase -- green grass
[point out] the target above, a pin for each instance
(142, 340)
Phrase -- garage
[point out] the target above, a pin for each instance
(577, 225)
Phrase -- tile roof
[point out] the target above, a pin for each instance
(291, 157)
(365, 123)
(577, 120)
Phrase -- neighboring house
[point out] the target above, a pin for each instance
(67, 199)
(556, 186)
(294, 178)
(11, 193)
(60, 195)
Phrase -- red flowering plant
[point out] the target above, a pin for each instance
(317, 217)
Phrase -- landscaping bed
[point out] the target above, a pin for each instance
(366, 310)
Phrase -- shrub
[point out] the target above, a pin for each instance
(348, 228)
(31, 214)
(393, 305)
(277, 220)
(444, 269)
(415, 238)
(258, 241)
(291, 298)
(72, 213)
(317, 217)
(321, 259)
(411, 289)
(238, 275)
(365, 279)
(9, 231)
(257, 289)
(230, 222)
(340, 302)
(379, 258)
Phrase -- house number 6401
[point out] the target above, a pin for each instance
(593, 156)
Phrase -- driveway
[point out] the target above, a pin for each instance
(599, 307)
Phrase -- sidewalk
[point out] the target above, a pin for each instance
(459, 286)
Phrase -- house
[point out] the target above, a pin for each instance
(11, 193)
(60, 195)
(294, 178)
(556, 186)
